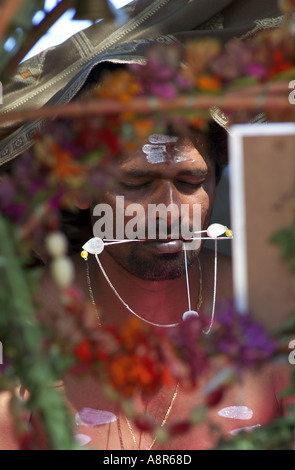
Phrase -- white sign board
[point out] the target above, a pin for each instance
(262, 187)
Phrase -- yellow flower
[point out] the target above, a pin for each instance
(199, 53)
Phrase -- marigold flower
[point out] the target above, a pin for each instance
(129, 146)
(209, 83)
(64, 164)
(121, 85)
(129, 372)
(142, 127)
(198, 122)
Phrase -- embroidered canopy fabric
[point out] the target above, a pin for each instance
(56, 75)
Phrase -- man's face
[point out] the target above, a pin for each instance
(170, 171)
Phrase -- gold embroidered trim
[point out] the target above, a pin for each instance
(264, 23)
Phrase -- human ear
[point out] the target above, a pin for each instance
(81, 201)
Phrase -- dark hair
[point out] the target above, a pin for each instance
(217, 146)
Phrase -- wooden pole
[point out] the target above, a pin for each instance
(7, 11)
(260, 98)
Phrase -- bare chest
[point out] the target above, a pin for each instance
(101, 424)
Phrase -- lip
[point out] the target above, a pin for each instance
(164, 246)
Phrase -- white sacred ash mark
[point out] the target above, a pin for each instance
(156, 150)
(236, 412)
(91, 417)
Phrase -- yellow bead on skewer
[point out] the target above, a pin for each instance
(228, 232)
(84, 255)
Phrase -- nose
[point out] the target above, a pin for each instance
(167, 199)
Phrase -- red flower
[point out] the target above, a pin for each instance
(213, 398)
(93, 138)
(180, 427)
(144, 423)
(280, 64)
(73, 300)
(83, 351)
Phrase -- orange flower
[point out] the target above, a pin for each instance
(127, 116)
(129, 146)
(120, 85)
(133, 334)
(138, 365)
(129, 373)
(198, 122)
(142, 127)
(208, 83)
(64, 164)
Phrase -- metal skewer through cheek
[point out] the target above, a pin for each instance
(100, 244)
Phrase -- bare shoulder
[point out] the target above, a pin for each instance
(8, 440)
(48, 293)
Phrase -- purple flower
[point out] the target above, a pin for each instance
(161, 75)
(10, 205)
(237, 61)
(162, 71)
(55, 201)
(241, 339)
(7, 191)
(163, 90)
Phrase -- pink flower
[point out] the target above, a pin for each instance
(256, 70)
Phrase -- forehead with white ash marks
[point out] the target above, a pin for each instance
(164, 148)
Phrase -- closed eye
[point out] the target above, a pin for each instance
(135, 185)
(189, 184)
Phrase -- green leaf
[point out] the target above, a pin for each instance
(288, 74)
(24, 345)
(242, 82)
